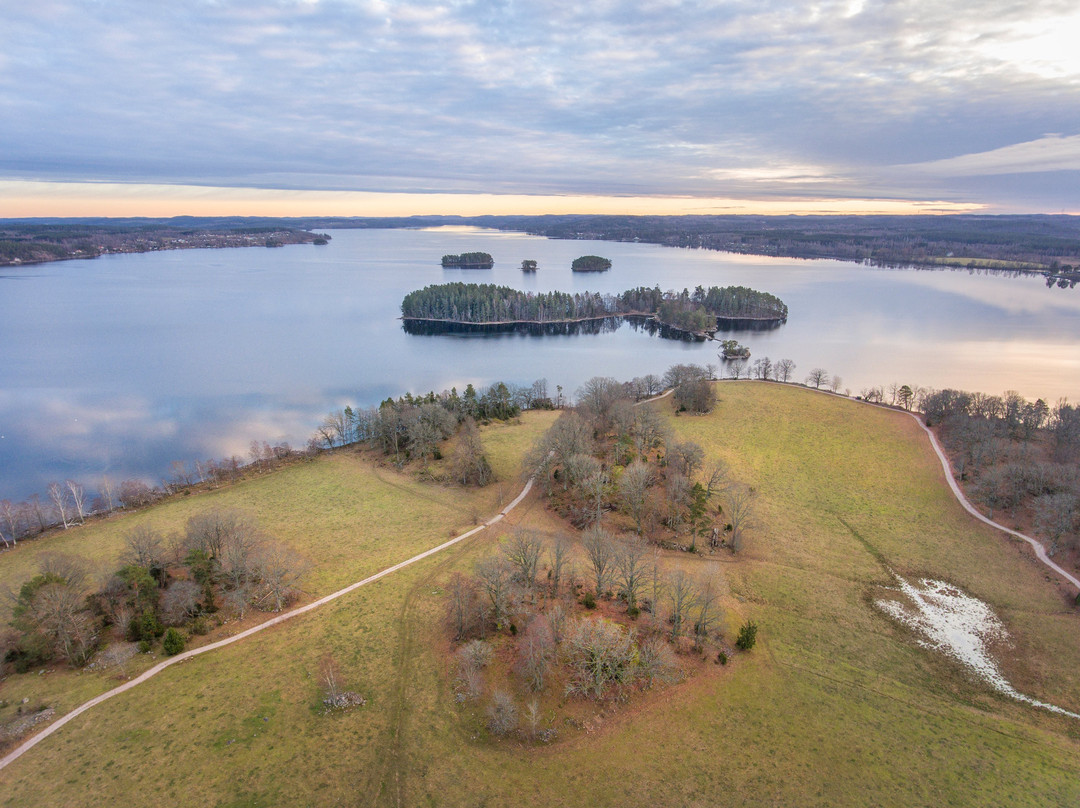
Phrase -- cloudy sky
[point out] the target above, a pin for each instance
(375, 106)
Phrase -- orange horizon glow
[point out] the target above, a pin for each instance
(29, 199)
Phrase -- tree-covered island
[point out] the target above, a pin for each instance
(591, 263)
(469, 260)
(488, 304)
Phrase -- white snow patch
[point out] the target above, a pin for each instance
(961, 627)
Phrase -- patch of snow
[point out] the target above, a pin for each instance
(961, 627)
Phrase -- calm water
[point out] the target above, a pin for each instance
(126, 363)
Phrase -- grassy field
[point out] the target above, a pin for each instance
(836, 706)
(346, 516)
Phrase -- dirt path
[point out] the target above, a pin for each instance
(30, 743)
(1040, 550)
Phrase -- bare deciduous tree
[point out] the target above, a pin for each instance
(535, 650)
(558, 557)
(817, 377)
(601, 654)
(59, 496)
(502, 713)
(279, 572)
(739, 509)
(681, 593)
(180, 603)
(522, 549)
(494, 573)
(634, 485)
(78, 499)
(784, 369)
(471, 466)
(686, 458)
(143, 547)
(599, 546)
(631, 564)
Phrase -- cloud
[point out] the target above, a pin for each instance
(1049, 153)
(614, 97)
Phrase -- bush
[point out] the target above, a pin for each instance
(747, 636)
(173, 643)
(502, 713)
(588, 601)
(144, 646)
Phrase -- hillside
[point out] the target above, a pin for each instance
(836, 706)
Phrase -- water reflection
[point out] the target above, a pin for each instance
(127, 363)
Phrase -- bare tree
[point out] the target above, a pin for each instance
(763, 368)
(279, 572)
(78, 499)
(1055, 516)
(461, 606)
(784, 369)
(330, 675)
(710, 588)
(589, 478)
(472, 658)
(634, 486)
(471, 466)
(522, 549)
(650, 430)
(681, 593)
(180, 603)
(143, 547)
(739, 509)
(601, 654)
(58, 611)
(59, 496)
(107, 489)
(9, 515)
(686, 458)
(834, 383)
(535, 651)
(817, 377)
(736, 369)
(494, 573)
(558, 557)
(599, 546)
(631, 565)
(657, 662)
(502, 713)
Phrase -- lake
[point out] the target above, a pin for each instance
(125, 363)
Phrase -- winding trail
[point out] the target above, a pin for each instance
(30, 743)
(1040, 550)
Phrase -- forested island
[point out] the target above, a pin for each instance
(591, 263)
(486, 304)
(42, 240)
(469, 260)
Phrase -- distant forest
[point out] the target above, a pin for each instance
(1029, 243)
(40, 240)
(691, 311)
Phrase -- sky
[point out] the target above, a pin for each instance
(375, 107)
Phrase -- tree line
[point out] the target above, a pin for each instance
(488, 303)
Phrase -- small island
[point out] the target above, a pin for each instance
(528, 265)
(591, 263)
(482, 306)
(469, 260)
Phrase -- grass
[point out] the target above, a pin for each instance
(835, 706)
(348, 517)
(984, 263)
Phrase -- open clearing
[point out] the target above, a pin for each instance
(837, 705)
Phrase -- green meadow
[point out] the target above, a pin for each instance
(836, 705)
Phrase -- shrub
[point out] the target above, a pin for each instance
(747, 636)
(588, 601)
(144, 646)
(502, 713)
(173, 643)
